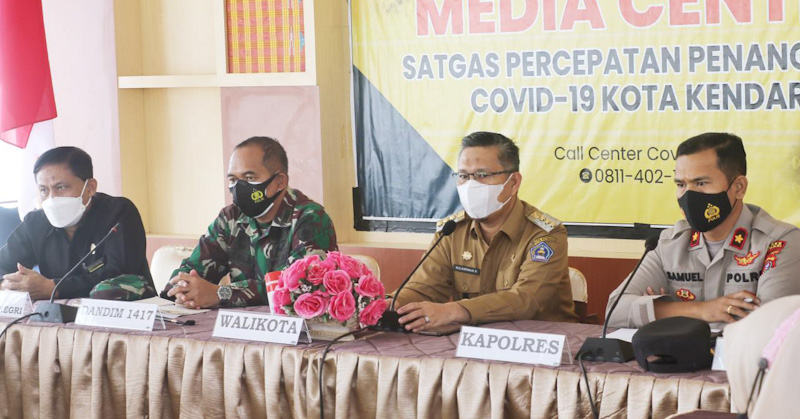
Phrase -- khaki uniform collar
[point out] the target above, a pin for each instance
(512, 226)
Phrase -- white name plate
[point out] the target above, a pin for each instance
(116, 314)
(248, 325)
(511, 346)
(15, 303)
(719, 356)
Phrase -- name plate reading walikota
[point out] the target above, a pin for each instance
(15, 304)
(248, 325)
(511, 346)
(116, 314)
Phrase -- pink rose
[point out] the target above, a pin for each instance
(337, 281)
(293, 274)
(369, 286)
(281, 297)
(342, 306)
(353, 267)
(317, 270)
(334, 257)
(309, 306)
(372, 312)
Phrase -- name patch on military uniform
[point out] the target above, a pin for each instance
(684, 276)
(466, 269)
(541, 253)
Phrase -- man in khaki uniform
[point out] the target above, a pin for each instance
(725, 258)
(505, 260)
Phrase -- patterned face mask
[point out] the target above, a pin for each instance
(252, 198)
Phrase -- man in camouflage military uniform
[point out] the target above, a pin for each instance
(725, 259)
(505, 260)
(268, 227)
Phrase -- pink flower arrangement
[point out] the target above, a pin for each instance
(338, 288)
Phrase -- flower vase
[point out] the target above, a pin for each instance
(330, 329)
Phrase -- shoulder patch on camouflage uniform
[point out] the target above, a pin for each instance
(545, 221)
(457, 217)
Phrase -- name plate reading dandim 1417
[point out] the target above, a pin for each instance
(511, 346)
(116, 314)
(15, 303)
(248, 325)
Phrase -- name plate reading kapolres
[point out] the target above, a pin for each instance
(248, 325)
(511, 346)
(116, 314)
(15, 303)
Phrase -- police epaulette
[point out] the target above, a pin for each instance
(461, 215)
(545, 221)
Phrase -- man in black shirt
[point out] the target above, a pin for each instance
(73, 219)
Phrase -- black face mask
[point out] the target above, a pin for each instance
(705, 211)
(252, 198)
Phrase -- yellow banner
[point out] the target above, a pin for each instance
(598, 94)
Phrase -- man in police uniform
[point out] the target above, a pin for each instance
(725, 259)
(505, 260)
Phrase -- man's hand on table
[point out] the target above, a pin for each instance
(30, 281)
(192, 291)
(426, 315)
(728, 308)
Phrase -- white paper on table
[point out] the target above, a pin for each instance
(627, 334)
(623, 334)
(169, 310)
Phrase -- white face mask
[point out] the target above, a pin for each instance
(479, 200)
(65, 211)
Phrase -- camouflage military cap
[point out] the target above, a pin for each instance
(123, 287)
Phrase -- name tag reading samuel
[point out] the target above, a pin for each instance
(511, 346)
(116, 314)
(248, 325)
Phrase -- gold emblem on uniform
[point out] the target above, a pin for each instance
(712, 213)
(257, 196)
(467, 255)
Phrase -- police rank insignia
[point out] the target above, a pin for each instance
(685, 294)
(467, 255)
(738, 239)
(695, 239)
(771, 260)
(541, 253)
(747, 259)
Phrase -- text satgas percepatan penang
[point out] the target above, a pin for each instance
(473, 17)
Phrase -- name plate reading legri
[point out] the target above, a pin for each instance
(15, 303)
(254, 326)
(511, 346)
(116, 314)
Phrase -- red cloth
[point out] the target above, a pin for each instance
(26, 89)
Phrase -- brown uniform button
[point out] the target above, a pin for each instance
(465, 288)
(505, 283)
